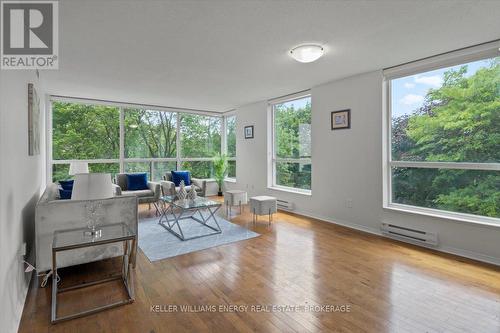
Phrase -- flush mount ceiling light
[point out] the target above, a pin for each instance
(307, 53)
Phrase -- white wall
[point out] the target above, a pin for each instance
(21, 178)
(347, 165)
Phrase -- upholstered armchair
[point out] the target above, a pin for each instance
(168, 186)
(151, 195)
(52, 213)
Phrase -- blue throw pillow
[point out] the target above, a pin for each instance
(137, 181)
(67, 184)
(64, 194)
(177, 176)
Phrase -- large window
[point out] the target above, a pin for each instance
(444, 153)
(150, 134)
(291, 162)
(231, 145)
(113, 139)
(85, 132)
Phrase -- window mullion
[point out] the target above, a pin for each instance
(446, 165)
(122, 140)
(178, 142)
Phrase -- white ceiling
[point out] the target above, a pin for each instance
(216, 55)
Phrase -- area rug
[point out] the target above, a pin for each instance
(157, 243)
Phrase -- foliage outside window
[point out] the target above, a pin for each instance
(292, 144)
(91, 133)
(231, 146)
(445, 139)
(75, 128)
(200, 136)
(150, 134)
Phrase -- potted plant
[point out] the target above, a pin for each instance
(220, 170)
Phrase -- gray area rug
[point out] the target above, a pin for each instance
(157, 243)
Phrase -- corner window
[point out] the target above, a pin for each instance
(291, 158)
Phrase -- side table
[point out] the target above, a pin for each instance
(65, 240)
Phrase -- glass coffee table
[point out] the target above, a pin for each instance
(175, 210)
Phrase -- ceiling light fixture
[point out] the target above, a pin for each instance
(307, 52)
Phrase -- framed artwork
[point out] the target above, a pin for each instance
(341, 119)
(33, 121)
(249, 132)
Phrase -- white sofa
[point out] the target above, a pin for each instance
(52, 214)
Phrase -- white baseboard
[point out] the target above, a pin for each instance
(470, 254)
(446, 249)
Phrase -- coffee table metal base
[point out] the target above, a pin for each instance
(169, 223)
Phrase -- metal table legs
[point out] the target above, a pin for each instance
(124, 276)
(255, 216)
(169, 223)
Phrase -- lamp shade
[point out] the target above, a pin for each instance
(78, 167)
(92, 186)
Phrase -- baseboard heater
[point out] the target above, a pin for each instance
(285, 205)
(409, 234)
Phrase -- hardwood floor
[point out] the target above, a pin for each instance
(389, 286)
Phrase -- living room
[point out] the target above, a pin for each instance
(250, 166)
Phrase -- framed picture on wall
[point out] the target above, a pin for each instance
(341, 119)
(249, 132)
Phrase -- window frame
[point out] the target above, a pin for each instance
(462, 56)
(227, 115)
(122, 160)
(273, 158)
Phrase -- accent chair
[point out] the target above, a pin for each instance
(149, 195)
(168, 187)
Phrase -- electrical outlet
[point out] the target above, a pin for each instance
(22, 250)
(348, 203)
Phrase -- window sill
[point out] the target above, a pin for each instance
(460, 217)
(230, 180)
(290, 190)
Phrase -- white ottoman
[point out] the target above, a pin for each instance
(233, 198)
(263, 205)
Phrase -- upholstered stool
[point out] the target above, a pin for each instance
(233, 198)
(263, 205)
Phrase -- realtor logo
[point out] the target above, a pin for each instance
(29, 35)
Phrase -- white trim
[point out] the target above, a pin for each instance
(290, 189)
(223, 136)
(386, 142)
(470, 254)
(449, 215)
(230, 179)
(290, 97)
(306, 160)
(178, 142)
(229, 113)
(91, 101)
(272, 160)
(442, 248)
(457, 57)
(48, 140)
(101, 161)
(196, 159)
(446, 165)
(453, 58)
(122, 140)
